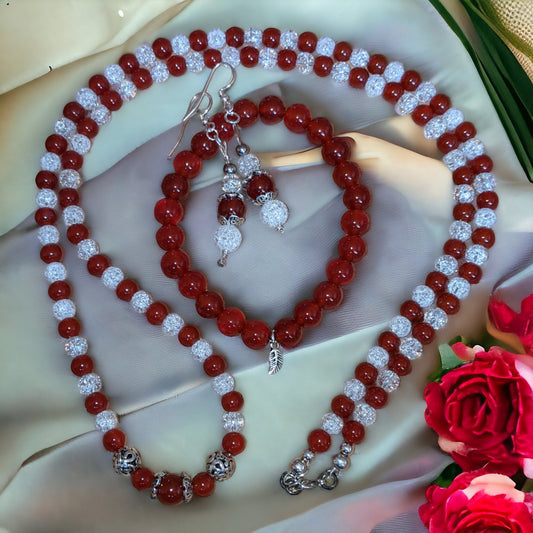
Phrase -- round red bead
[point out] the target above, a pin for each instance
(376, 397)
(340, 272)
(68, 197)
(168, 211)
(481, 163)
(455, 248)
(328, 295)
(423, 332)
(96, 402)
(128, 63)
(322, 66)
(342, 51)
(81, 365)
(214, 365)
(400, 364)
(440, 103)
(342, 406)
(175, 186)
(97, 264)
(231, 321)
(231, 207)
(258, 185)
(271, 37)
(170, 490)
(198, 40)
(271, 110)
(232, 401)
(422, 115)
(142, 79)
(288, 332)
(392, 92)
(74, 111)
(389, 341)
(366, 373)
(287, 60)
(71, 160)
(142, 478)
(411, 79)
(463, 176)
(46, 180)
(352, 248)
(307, 41)
(353, 432)
(77, 233)
(319, 441)
(248, 112)
(224, 129)
(233, 443)
(487, 199)
(464, 212)
(209, 304)
(347, 174)
(308, 314)
(176, 65)
(88, 127)
(44, 216)
(187, 164)
(113, 440)
(59, 290)
(175, 263)
(355, 222)
(465, 131)
(56, 144)
(162, 48)
(249, 56)
(411, 310)
(203, 485)
(156, 313)
(447, 142)
(377, 64)
(255, 334)
(192, 284)
(112, 100)
(234, 36)
(471, 272)
(212, 58)
(483, 236)
(51, 253)
(126, 289)
(336, 150)
(319, 130)
(358, 78)
(437, 281)
(297, 118)
(188, 335)
(170, 237)
(69, 327)
(449, 303)
(203, 147)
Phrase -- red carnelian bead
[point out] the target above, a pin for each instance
(307, 41)
(142, 478)
(187, 164)
(465, 131)
(376, 397)
(271, 37)
(81, 365)
(247, 111)
(288, 332)
(249, 56)
(355, 222)
(46, 180)
(168, 211)
(69, 327)
(422, 115)
(352, 248)
(232, 401)
(44, 216)
(77, 232)
(234, 36)
(319, 130)
(412, 311)
(389, 341)
(423, 332)
(214, 365)
(328, 295)
(51, 253)
(203, 147)
(392, 92)
(170, 237)
(203, 485)
(411, 79)
(471, 272)
(233, 443)
(113, 440)
(483, 236)
(447, 142)
(112, 100)
(74, 111)
(209, 304)
(96, 402)
(358, 78)
(346, 174)
(97, 264)
(142, 79)
(56, 144)
(297, 118)
(400, 364)
(188, 335)
(126, 289)
(481, 163)
(175, 186)
(231, 321)
(59, 290)
(271, 110)
(357, 197)
(464, 212)
(212, 58)
(128, 63)
(463, 176)
(68, 197)
(319, 441)
(455, 248)
(487, 199)
(353, 432)
(342, 51)
(175, 263)
(156, 313)
(448, 303)
(98, 84)
(192, 284)
(366, 373)
(377, 64)
(88, 127)
(224, 129)
(176, 65)
(342, 406)
(308, 314)
(336, 150)
(255, 334)
(71, 159)
(437, 281)
(231, 206)
(440, 103)
(287, 60)
(198, 40)
(322, 66)
(340, 272)
(170, 490)
(162, 48)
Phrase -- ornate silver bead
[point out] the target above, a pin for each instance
(126, 460)
(155, 484)
(187, 487)
(220, 466)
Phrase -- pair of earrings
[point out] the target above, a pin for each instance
(244, 177)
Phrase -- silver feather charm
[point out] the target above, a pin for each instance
(275, 357)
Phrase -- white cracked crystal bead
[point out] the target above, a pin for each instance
(114, 74)
(425, 92)
(364, 414)
(87, 98)
(46, 198)
(69, 178)
(354, 389)
(305, 62)
(332, 423)
(201, 350)
(106, 420)
(377, 356)
(73, 214)
(75, 346)
(459, 287)
(325, 46)
(48, 234)
(228, 238)
(145, 55)
(406, 104)
(400, 326)
(231, 185)
(288, 40)
(463, 194)
(180, 44)
(216, 39)
(388, 380)
(253, 37)
(485, 218)
(231, 56)
(50, 161)
(101, 114)
(112, 276)
(274, 213)
(55, 272)
(460, 230)
(141, 301)
(374, 85)
(423, 295)
(476, 254)
(247, 165)
(436, 318)
(127, 90)
(65, 127)
(394, 71)
(268, 58)
(172, 324)
(484, 182)
(447, 265)
(434, 128)
(454, 159)
(411, 348)
(89, 383)
(233, 421)
(87, 248)
(359, 58)
(64, 308)
(223, 383)
(159, 72)
(472, 148)
(195, 62)
(452, 118)
(340, 72)
(80, 144)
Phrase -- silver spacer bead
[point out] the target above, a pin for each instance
(187, 487)
(299, 467)
(229, 168)
(346, 449)
(220, 466)
(308, 455)
(341, 462)
(242, 149)
(126, 460)
(155, 484)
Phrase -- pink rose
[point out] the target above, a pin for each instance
(483, 411)
(477, 502)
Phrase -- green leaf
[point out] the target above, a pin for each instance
(447, 476)
(448, 359)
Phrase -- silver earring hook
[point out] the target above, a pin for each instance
(198, 98)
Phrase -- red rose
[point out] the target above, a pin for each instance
(483, 411)
(477, 502)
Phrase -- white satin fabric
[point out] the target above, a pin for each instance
(54, 473)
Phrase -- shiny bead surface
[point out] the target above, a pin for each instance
(319, 441)
(230, 321)
(255, 334)
(288, 332)
(232, 401)
(113, 440)
(187, 164)
(342, 406)
(340, 271)
(353, 432)
(322, 66)
(209, 304)
(335, 151)
(308, 314)
(188, 335)
(203, 485)
(297, 118)
(142, 478)
(366, 373)
(319, 130)
(352, 248)
(357, 197)
(233, 443)
(271, 110)
(175, 263)
(170, 237)
(346, 175)
(328, 295)
(170, 490)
